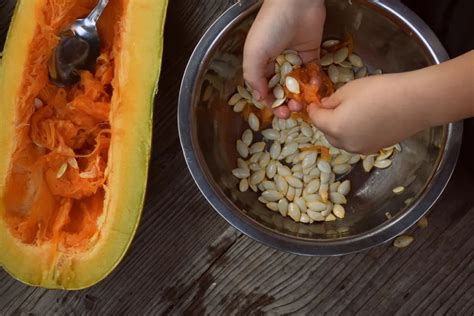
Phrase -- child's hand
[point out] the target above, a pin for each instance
(280, 25)
(368, 114)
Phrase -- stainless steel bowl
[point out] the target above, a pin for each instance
(388, 36)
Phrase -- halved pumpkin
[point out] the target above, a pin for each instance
(73, 166)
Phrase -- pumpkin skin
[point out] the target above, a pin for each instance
(137, 43)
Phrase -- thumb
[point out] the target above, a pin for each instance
(321, 117)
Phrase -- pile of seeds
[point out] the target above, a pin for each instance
(290, 163)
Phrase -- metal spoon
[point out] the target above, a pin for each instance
(78, 49)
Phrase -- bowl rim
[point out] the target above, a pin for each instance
(214, 195)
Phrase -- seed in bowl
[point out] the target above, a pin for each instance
(288, 162)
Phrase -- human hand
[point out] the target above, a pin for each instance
(368, 114)
(280, 25)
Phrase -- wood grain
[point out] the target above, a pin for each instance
(185, 259)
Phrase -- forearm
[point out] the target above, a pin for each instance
(442, 93)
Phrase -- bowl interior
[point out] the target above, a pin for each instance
(383, 43)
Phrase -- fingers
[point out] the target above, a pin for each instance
(321, 117)
(282, 112)
(295, 106)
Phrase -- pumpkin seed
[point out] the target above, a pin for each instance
(316, 216)
(278, 92)
(339, 211)
(292, 85)
(272, 206)
(234, 99)
(243, 185)
(312, 198)
(337, 198)
(284, 171)
(268, 185)
(271, 134)
(293, 59)
(275, 150)
(333, 73)
(253, 187)
(283, 206)
(281, 184)
(304, 218)
(301, 204)
(242, 149)
(368, 163)
(385, 154)
(264, 159)
(254, 123)
(327, 59)
(403, 241)
(281, 60)
(257, 147)
(398, 190)
(274, 80)
(261, 199)
(278, 102)
(294, 181)
(330, 218)
(345, 74)
(241, 173)
(334, 186)
(312, 187)
(272, 195)
(255, 157)
(346, 64)
(423, 222)
(323, 192)
(294, 212)
(361, 73)
(289, 149)
(242, 164)
(62, 170)
(325, 177)
(316, 206)
(309, 160)
(356, 60)
(341, 55)
(244, 93)
(330, 43)
(247, 137)
(341, 169)
(271, 169)
(290, 194)
(382, 164)
(239, 107)
(324, 166)
(345, 187)
(73, 163)
(285, 69)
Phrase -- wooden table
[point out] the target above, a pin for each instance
(186, 259)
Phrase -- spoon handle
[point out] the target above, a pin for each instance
(96, 12)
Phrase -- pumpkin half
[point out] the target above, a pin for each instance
(74, 161)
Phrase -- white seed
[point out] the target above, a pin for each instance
(323, 192)
(271, 134)
(330, 43)
(294, 181)
(283, 136)
(334, 186)
(241, 173)
(383, 163)
(278, 102)
(255, 157)
(306, 130)
(316, 216)
(254, 123)
(340, 159)
(291, 123)
(272, 195)
(247, 137)
(283, 206)
(341, 169)
(316, 206)
(403, 241)
(282, 124)
(385, 153)
(254, 167)
(253, 187)
(62, 170)
(285, 69)
(337, 198)
(91, 174)
(284, 171)
(333, 73)
(243, 185)
(312, 186)
(292, 85)
(330, 218)
(346, 64)
(345, 187)
(356, 61)
(289, 149)
(294, 212)
(234, 99)
(274, 80)
(293, 59)
(281, 184)
(280, 60)
(315, 172)
(325, 177)
(312, 198)
(73, 163)
(345, 75)
(304, 218)
(339, 211)
(261, 187)
(275, 124)
(271, 169)
(309, 160)
(239, 107)
(244, 93)
(272, 206)
(324, 166)
(297, 168)
(368, 163)
(261, 199)
(327, 59)
(397, 147)
(278, 92)
(242, 164)
(307, 178)
(257, 147)
(361, 73)
(398, 190)
(301, 203)
(354, 159)
(340, 55)
(290, 194)
(275, 150)
(268, 185)
(259, 105)
(242, 149)
(328, 209)
(264, 159)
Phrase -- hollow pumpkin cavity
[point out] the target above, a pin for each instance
(57, 179)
